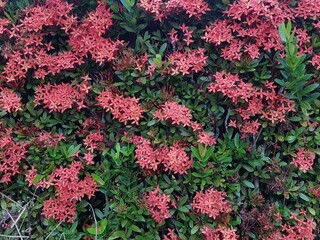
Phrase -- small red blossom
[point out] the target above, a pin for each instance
(158, 204)
(316, 61)
(219, 233)
(206, 139)
(59, 97)
(9, 100)
(69, 189)
(211, 202)
(187, 62)
(177, 159)
(304, 160)
(124, 109)
(88, 158)
(92, 141)
(178, 114)
(171, 235)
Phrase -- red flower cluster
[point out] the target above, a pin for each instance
(158, 205)
(302, 230)
(11, 154)
(60, 97)
(171, 235)
(164, 9)
(316, 61)
(91, 142)
(178, 114)
(88, 36)
(37, 22)
(251, 26)
(173, 158)
(308, 9)
(187, 62)
(304, 160)
(47, 139)
(69, 189)
(265, 102)
(122, 108)
(176, 159)
(146, 156)
(9, 101)
(211, 202)
(206, 139)
(219, 233)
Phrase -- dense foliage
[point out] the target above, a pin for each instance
(159, 119)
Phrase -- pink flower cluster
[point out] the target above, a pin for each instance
(173, 158)
(157, 204)
(304, 160)
(60, 97)
(11, 154)
(39, 21)
(176, 113)
(92, 140)
(9, 100)
(163, 9)
(303, 229)
(250, 26)
(316, 61)
(69, 189)
(48, 139)
(171, 235)
(187, 62)
(211, 202)
(219, 233)
(264, 103)
(124, 109)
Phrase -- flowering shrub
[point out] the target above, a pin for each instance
(159, 119)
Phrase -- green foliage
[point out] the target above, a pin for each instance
(254, 170)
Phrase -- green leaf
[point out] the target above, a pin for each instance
(98, 179)
(309, 89)
(163, 48)
(196, 153)
(37, 179)
(183, 200)
(151, 123)
(208, 153)
(135, 228)
(3, 204)
(248, 168)
(183, 209)
(72, 150)
(304, 197)
(282, 33)
(194, 229)
(312, 211)
(248, 184)
(117, 234)
(125, 4)
(291, 139)
(93, 231)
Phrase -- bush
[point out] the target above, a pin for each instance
(159, 119)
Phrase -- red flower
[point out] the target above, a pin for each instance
(123, 108)
(176, 159)
(178, 114)
(9, 101)
(304, 160)
(220, 233)
(211, 202)
(158, 205)
(206, 139)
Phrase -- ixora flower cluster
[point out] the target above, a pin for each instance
(211, 202)
(171, 119)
